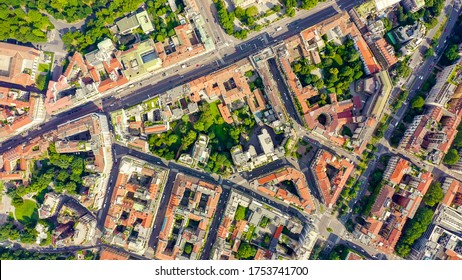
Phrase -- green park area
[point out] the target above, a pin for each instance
(183, 133)
(27, 212)
(340, 66)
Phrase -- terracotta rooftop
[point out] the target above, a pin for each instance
(113, 254)
(384, 47)
(14, 59)
(330, 185)
(225, 113)
(455, 188)
(400, 170)
(303, 196)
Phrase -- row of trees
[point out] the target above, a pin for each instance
(291, 5)
(413, 230)
(227, 20)
(452, 157)
(24, 25)
(21, 254)
(398, 102)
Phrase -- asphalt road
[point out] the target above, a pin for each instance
(284, 91)
(213, 229)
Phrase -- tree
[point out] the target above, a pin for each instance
(387, 23)
(62, 175)
(276, 8)
(241, 212)
(290, 12)
(418, 102)
(434, 194)
(160, 38)
(246, 251)
(309, 4)
(239, 13)
(452, 157)
(429, 53)
(403, 70)
(17, 201)
(452, 53)
(290, 4)
(188, 248)
(188, 139)
(251, 11)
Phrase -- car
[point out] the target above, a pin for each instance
(278, 28)
(421, 77)
(183, 65)
(197, 65)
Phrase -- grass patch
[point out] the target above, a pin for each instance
(250, 233)
(152, 103)
(43, 67)
(214, 109)
(27, 213)
(42, 81)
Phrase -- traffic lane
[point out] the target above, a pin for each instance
(161, 210)
(122, 150)
(212, 236)
(284, 92)
(102, 213)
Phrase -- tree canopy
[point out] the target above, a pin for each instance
(434, 194)
(241, 212)
(452, 52)
(24, 25)
(413, 230)
(246, 251)
(452, 157)
(418, 102)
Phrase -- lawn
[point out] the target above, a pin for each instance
(249, 234)
(27, 212)
(152, 103)
(43, 67)
(214, 110)
(42, 81)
